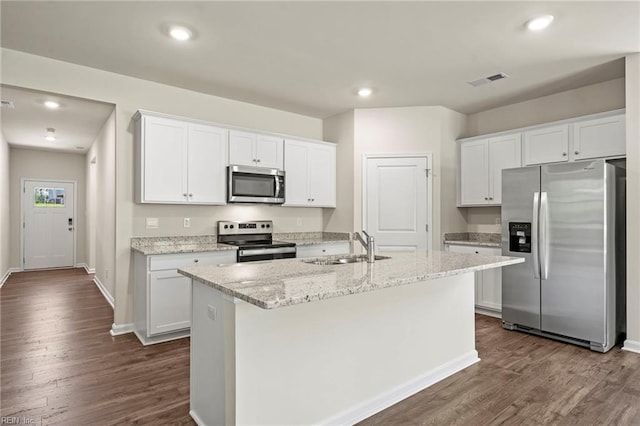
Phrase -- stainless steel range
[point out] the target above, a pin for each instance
(254, 240)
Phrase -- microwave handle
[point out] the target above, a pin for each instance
(277, 194)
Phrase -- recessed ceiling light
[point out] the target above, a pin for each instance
(51, 134)
(180, 33)
(365, 92)
(51, 104)
(539, 23)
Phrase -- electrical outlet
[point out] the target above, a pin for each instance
(498, 221)
(212, 313)
(186, 222)
(298, 221)
(151, 222)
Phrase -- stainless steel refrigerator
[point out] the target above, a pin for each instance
(568, 222)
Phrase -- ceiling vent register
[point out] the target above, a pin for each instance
(6, 104)
(487, 80)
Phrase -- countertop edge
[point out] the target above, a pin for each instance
(355, 290)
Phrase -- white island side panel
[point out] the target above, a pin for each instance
(334, 361)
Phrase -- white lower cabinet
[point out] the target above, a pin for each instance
(488, 283)
(162, 296)
(323, 249)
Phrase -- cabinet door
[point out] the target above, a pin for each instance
(296, 174)
(269, 152)
(207, 154)
(322, 175)
(546, 145)
(241, 148)
(489, 290)
(474, 172)
(164, 160)
(504, 153)
(169, 302)
(603, 137)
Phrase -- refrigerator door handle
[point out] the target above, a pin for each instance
(543, 236)
(534, 235)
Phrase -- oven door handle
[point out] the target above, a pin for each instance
(258, 252)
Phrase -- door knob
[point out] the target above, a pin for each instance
(71, 229)
(577, 152)
(564, 154)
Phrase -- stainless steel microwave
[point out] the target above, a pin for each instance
(255, 185)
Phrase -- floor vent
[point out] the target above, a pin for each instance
(6, 104)
(487, 80)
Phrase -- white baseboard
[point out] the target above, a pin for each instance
(117, 330)
(86, 268)
(195, 418)
(631, 346)
(6, 275)
(393, 396)
(488, 312)
(104, 291)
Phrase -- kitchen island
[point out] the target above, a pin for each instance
(292, 342)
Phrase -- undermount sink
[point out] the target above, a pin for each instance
(359, 258)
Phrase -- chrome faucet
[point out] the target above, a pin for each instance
(369, 245)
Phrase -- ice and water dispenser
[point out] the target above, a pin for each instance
(520, 237)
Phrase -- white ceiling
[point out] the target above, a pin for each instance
(76, 122)
(310, 57)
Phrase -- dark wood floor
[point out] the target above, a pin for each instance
(59, 365)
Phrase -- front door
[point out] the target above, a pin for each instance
(396, 202)
(49, 224)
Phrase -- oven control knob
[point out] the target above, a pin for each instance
(268, 226)
(231, 226)
(262, 225)
(226, 226)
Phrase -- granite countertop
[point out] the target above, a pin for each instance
(279, 283)
(483, 239)
(199, 243)
(171, 245)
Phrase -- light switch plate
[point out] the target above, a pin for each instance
(186, 222)
(212, 313)
(151, 222)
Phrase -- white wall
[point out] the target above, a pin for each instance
(632, 72)
(130, 94)
(410, 130)
(28, 163)
(586, 100)
(5, 262)
(101, 208)
(340, 129)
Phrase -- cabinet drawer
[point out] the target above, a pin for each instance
(175, 261)
(326, 249)
(486, 251)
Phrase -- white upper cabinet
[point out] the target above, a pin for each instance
(310, 174)
(602, 137)
(481, 165)
(179, 162)
(546, 145)
(252, 149)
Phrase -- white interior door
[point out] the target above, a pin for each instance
(396, 202)
(49, 224)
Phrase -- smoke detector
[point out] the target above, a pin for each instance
(7, 104)
(487, 80)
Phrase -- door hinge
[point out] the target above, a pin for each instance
(426, 227)
(23, 225)
(427, 171)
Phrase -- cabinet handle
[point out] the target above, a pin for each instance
(190, 195)
(576, 152)
(258, 160)
(196, 260)
(491, 198)
(477, 252)
(564, 154)
(485, 198)
(184, 194)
